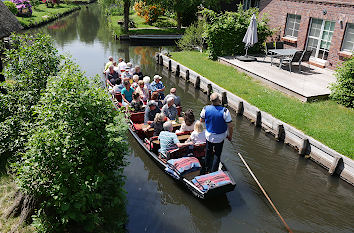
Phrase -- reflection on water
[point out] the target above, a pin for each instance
(308, 198)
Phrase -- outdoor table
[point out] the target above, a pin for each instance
(282, 53)
(174, 124)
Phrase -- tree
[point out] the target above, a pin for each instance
(126, 15)
(73, 163)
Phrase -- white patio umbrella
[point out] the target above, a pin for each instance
(251, 37)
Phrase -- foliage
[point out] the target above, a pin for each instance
(193, 37)
(32, 59)
(343, 89)
(75, 156)
(150, 12)
(42, 14)
(12, 7)
(24, 7)
(225, 31)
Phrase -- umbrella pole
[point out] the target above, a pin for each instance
(246, 51)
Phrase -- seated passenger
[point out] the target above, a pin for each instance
(135, 81)
(189, 120)
(158, 86)
(157, 124)
(138, 72)
(130, 68)
(155, 96)
(108, 64)
(136, 103)
(113, 77)
(127, 94)
(150, 112)
(146, 80)
(168, 139)
(121, 64)
(169, 109)
(142, 90)
(126, 75)
(198, 135)
(173, 94)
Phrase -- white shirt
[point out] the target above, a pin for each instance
(122, 65)
(198, 138)
(213, 137)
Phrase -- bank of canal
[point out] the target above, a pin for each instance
(308, 198)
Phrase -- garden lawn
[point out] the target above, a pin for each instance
(42, 14)
(326, 121)
(164, 25)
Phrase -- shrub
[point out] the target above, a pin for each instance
(343, 89)
(150, 13)
(225, 31)
(11, 6)
(32, 59)
(193, 37)
(24, 7)
(75, 156)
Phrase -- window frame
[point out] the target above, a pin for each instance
(293, 26)
(345, 37)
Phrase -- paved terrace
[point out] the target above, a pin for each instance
(311, 84)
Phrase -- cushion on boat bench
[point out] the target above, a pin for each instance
(137, 117)
(211, 180)
(118, 97)
(182, 166)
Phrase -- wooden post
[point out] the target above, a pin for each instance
(305, 147)
(259, 119)
(334, 165)
(280, 134)
(187, 75)
(161, 60)
(224, 98)
(177, 70)
(240, 108)
(197, 83)
(210, 90)
(170, 65)
(157, 57)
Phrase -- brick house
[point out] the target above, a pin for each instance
(324, 26)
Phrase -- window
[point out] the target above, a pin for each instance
(319, 38)
(292, 25)
(348, 41)
(247, 4)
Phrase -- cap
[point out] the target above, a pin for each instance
(152, 102)
(157, 77)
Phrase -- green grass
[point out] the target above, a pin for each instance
(326, 121)
(7, 192)
(164, 25)
(42, 14)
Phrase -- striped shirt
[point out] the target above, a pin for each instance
(168, 141)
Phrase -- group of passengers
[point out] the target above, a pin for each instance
(161, 111)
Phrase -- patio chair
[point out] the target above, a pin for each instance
(305, 57)
(296, 58)
(279, 45)
(268, 46)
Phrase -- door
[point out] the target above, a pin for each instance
(319, 37)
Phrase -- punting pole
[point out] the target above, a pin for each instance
(264, 192)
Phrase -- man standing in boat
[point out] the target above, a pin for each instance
(218, 123)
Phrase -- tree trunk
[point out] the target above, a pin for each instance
(126, 15)
(23, 206)
(179, 23)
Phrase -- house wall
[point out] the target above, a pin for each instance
(337, 10)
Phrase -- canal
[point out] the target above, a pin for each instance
(307, 197)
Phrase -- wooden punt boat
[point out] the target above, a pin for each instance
(190, 180)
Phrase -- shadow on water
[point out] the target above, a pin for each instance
(308, 198)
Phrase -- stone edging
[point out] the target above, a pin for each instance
(331, 160)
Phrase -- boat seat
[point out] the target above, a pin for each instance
(199, 150)
(137, 117)
(179, 110)
(118, 97)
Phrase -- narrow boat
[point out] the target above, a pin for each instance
(183, 164)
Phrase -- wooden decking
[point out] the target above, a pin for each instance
(311, 84)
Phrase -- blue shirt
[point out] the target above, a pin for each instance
(128, 94)
(168, 141)
(156, 86)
